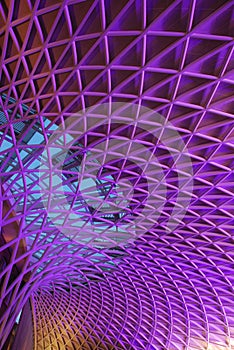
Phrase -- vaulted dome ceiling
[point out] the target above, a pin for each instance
(121, 113)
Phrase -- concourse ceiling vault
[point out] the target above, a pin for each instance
(140, 255)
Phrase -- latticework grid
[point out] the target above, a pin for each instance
(167, 289)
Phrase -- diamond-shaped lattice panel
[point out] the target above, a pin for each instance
(167, 282)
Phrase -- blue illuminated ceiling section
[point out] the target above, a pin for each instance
(20, 176)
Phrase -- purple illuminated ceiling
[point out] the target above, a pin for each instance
(160, 76)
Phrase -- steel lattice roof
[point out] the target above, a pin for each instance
(151, 81)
